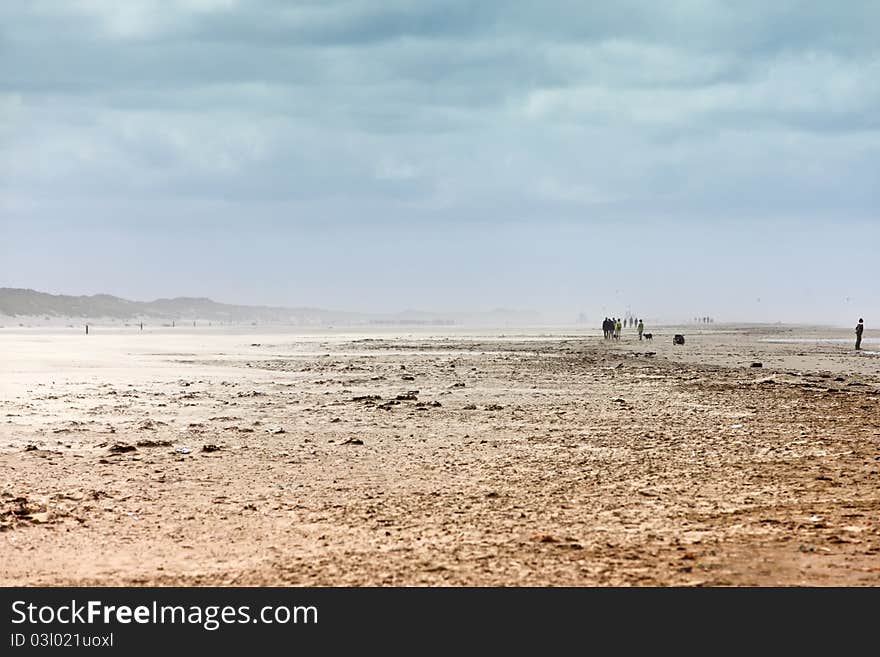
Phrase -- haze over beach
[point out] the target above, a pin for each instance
(32, 308)
(313, 293)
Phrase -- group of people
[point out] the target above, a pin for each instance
(612, 327)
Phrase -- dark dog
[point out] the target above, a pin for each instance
(649, 336)
(678, 339)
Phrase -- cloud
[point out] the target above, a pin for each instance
(562, 192)
(514, 110)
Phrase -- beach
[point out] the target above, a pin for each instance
(439, 456)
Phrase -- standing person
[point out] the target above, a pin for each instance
(860, 328)
(641, 329)
(617, 329)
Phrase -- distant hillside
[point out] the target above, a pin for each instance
(21, 303)
(30, 303)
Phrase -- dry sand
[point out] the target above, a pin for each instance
(525, 458)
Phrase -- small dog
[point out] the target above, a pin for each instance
(649, 336)
(678, 339)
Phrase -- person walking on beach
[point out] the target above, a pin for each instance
(617, 328)
(641, 329)
(860, 328)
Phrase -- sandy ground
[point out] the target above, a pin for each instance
(177, 457)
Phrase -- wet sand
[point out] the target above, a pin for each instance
(508, 457)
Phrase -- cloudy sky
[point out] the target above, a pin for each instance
(677, 158)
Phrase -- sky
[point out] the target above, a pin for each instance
(667, 159)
